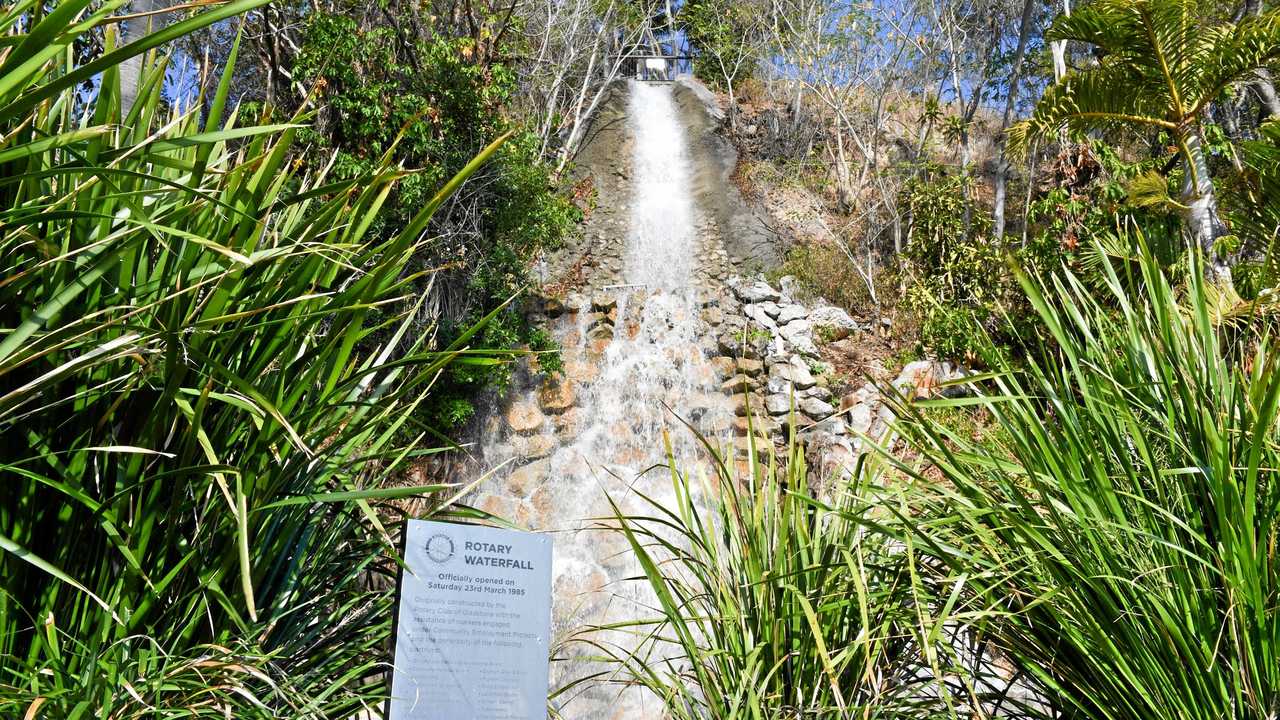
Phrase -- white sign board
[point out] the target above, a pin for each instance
(655, 64)
(473, 627)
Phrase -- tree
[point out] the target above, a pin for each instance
(1158, 69)
(1002, 165)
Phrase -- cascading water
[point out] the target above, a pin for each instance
(594, 436)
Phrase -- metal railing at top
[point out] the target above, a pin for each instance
(654, 68)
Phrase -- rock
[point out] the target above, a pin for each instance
(713, 316)
(724, 365)
(750, 367)
(604, 303)
(796, 328)
(777, 404)
(557, 396)
(568, 424)
(770, 308)
(498, 506)
(580, 370)
(832, 323)
(795, 373)
(599, 317)
(543, 502)
(553, 306)
(738, 384)
(536, 447)
(573, 303)
(756, 292)
(804, 345)
(756, 313)
(860, 418)
(744, 445)
(524, 417)
(789, 313)
(759, 425)
(817, 391)
(526, 479)
(741, 402)
(789, 285)
(815, 408)
(734, 345)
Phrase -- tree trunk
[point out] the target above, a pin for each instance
(131, 68)
(1002, 164)
(1059, 49)
(1204, 224)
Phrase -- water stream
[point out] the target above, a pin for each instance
(595, 433)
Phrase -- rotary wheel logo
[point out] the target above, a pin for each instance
(439, 548)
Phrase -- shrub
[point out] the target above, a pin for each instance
(772, 604)
(956, 284)
(1119, 546)
(439, 108)
(193, 418)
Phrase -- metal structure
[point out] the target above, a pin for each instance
(654, 68)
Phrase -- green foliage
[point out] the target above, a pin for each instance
(1119, 544)
(439, 107)
(956, 285)
(772, 604)
(721, 33)
(1160, 67)
(197, 411)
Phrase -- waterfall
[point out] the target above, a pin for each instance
(638, 347)
(660, 241)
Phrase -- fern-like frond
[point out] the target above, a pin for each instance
(1111, 25)
(1231, 53)
(1112, 94)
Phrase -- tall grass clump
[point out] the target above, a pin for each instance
(1119, 548)
(206, 371)
(774, 604)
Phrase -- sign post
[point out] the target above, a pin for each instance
(474, 623)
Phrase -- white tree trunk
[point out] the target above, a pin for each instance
(1059, 48)
(131, 68)
(1203, 222)
(1002, 164)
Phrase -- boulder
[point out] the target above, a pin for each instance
(750, 366)
(557, 396)
(815, 408)
(581, 370)
(860, 418)
(794, 373)
(524, 417)
(832, 323)
(528, 478)
(788, 313)
(777, 404)
(741, 402)
(757, 313)
(756, 292)
(789, 285)
(604, 303)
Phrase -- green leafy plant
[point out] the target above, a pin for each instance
(1159, 69)
(774, 604)
(429, 97)
(195, 423)
(1118, 546)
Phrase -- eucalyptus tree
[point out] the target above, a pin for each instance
(1002, 163)
(1158, 69)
